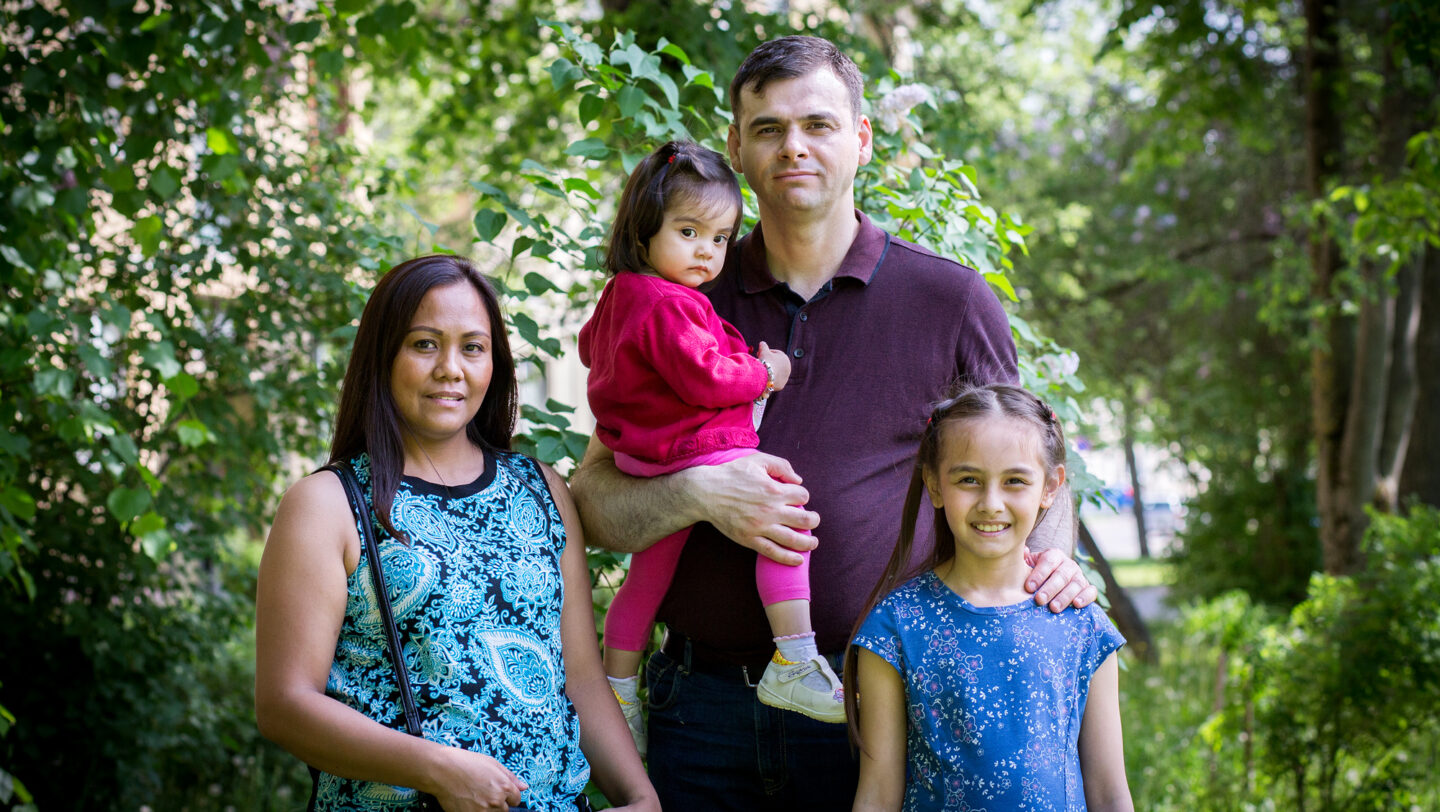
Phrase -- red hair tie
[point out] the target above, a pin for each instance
(671, 159)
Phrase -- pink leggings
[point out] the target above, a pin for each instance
(627, 623)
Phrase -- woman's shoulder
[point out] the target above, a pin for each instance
(315, 515)
(529, 468)
(319, 490)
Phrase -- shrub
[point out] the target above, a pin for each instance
(1335, 706)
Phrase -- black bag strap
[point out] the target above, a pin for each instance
(382, 594)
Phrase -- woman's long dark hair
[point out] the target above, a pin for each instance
(678, 173)
(992, 400)
(368, 421)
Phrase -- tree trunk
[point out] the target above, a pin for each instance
(1122, 609)
(1397, 125)
(1404, 386)
(1364, 416)
(1420, 477)
(1332, 359)
(1137, 504)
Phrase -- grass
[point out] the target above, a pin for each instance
(1141, 572)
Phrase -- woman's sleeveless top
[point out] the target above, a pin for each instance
(477, 598)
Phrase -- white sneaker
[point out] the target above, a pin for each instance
(783, 686)
(631, 711)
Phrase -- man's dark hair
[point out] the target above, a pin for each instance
(791, 57)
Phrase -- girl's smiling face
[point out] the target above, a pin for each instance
(990, 478)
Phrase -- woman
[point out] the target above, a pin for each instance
(480, 546)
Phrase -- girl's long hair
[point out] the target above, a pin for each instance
(991, 400)
(679, 173)
(368, 420)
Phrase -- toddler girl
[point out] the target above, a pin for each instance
(672, 385)
(969, 696)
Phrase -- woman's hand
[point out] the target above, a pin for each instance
(475, 782)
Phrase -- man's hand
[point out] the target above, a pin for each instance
(758, 502)
(1056, 578)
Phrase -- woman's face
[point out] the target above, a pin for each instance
(442, 371)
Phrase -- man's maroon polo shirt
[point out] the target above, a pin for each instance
(870, 353)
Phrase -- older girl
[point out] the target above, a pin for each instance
(965, 694)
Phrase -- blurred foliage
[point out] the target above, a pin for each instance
(1158, 150)
(187, 234)
(1335, 706)
(1249, 533)
(176, 252)
(195, 201)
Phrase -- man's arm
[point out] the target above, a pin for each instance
(757, 501)
(1056, 577)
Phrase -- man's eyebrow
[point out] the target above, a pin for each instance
(818, 115)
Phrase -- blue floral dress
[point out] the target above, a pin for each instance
(477, 598)
(994, 694)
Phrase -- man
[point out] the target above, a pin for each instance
(876, 330)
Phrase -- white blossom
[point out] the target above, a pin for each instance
(892, 108)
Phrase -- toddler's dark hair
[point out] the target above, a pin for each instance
(679, 173)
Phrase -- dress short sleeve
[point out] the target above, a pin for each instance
(880, 633)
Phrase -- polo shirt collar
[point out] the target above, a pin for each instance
(860, 263)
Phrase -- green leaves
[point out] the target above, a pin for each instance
(164, 182)
(592, 148)
(488, 224)
(221, 142)
(530, 332)
(549, 437)
(563, 73)
(194, 433)
(146, 233)
(19, 503)
(160, 356)
(127, 503)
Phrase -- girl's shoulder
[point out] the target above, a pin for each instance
(921, 589)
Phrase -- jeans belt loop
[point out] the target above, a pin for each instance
(687, 660)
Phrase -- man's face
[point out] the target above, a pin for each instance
(798, 146)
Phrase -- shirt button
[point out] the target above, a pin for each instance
(804, 316)
(799, 353)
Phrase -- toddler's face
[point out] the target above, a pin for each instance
(689, 248)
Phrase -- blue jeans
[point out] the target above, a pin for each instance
(714, 746)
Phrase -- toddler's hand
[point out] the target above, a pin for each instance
(779, 364)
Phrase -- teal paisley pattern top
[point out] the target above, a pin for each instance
(477, 598)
